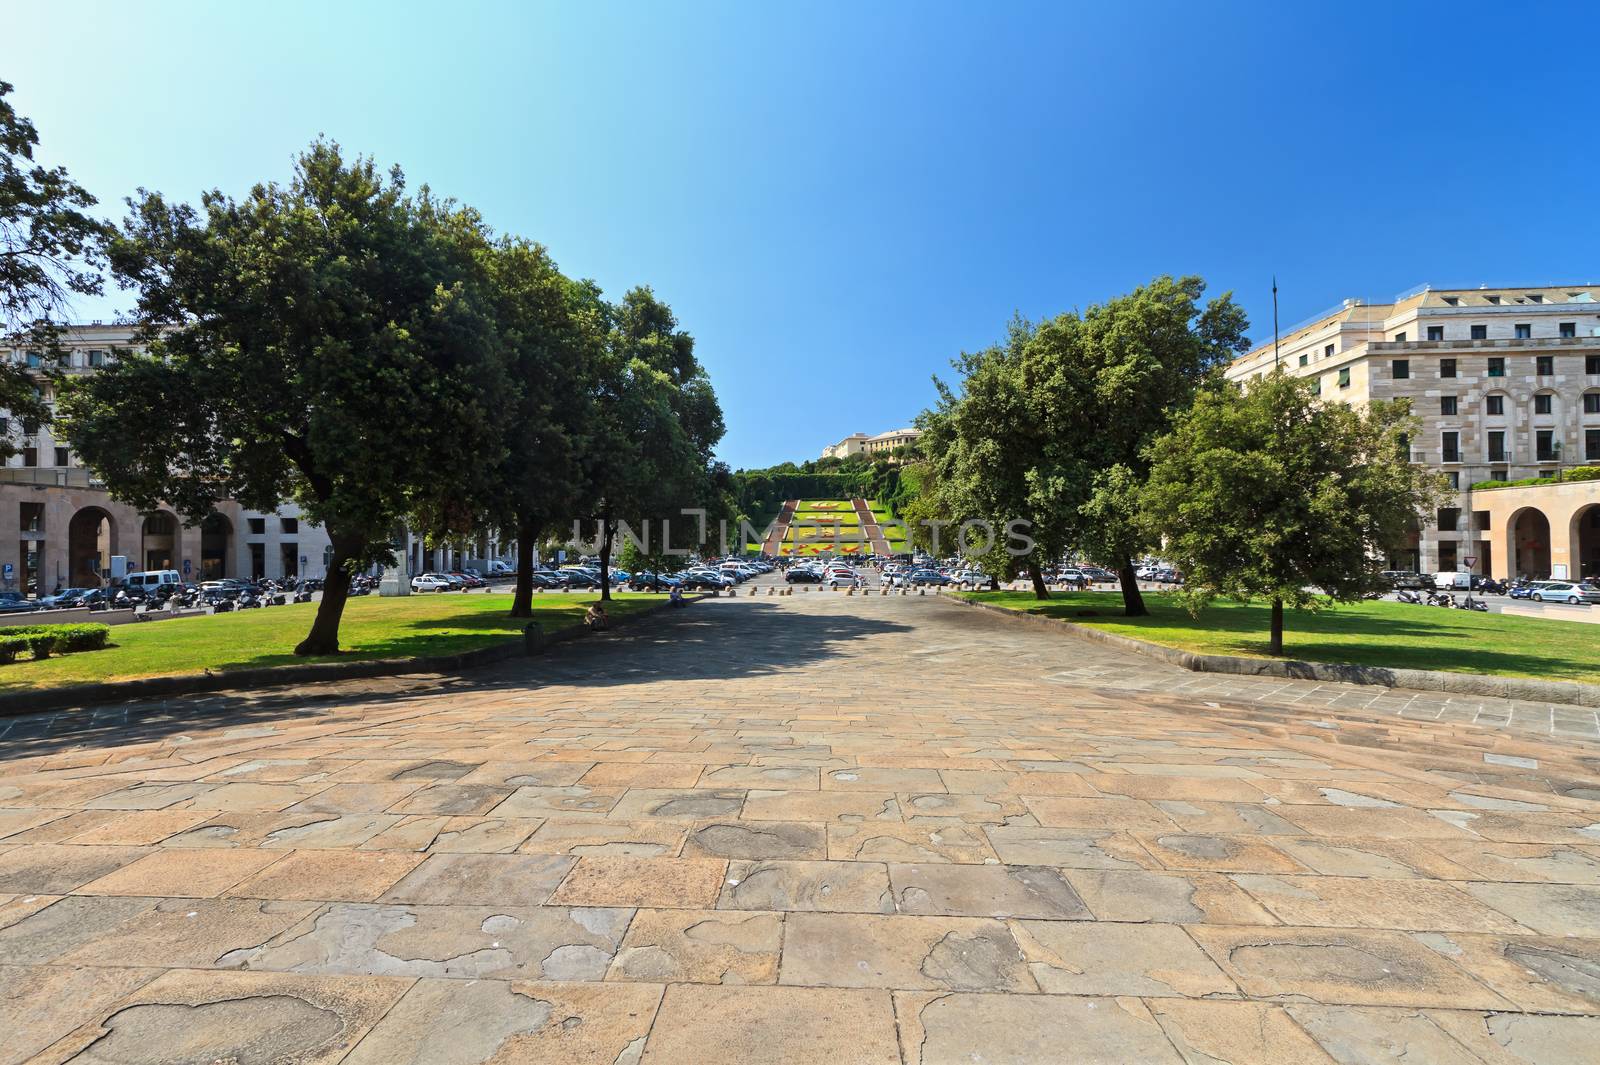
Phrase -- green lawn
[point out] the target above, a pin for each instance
(373, 627)
(1393, 635)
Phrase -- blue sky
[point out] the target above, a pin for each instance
(838, 198)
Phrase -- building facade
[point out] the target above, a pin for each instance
(60, 528)
(1506, 385)
(862, 444)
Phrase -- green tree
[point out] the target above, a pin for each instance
(1268, 493)
(50, 251)
(552, 330)
(985, 443)
(329, 341)
(656, 421)
(1106, 384)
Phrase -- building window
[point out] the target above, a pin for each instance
(1497, 366)
(1591, 403)
(290, 525)
(1497, 447)
(30, 456)
(1316, 386)
(1452, 446)
(1480, 332)
(1454, 480)
(1545, 442)
(97, 358)
(1544, 365)
(1399, 338)
(1449, 519)
(1447, 367)
(1454, 301)
(1495, 406)
(1401, 368)
(32, 517)
(1569, 330)
(1327, 352)
(1405, 446)
(1304, 359)
(258, 526)
(1499, 475)
(62, 457)
(1524, 330)
(1436, 332)
(1447, 405)
(1591, 443)
(1344, 377)
(1591, 365)
(33, 359)
(1542, 403)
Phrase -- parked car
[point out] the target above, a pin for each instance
(1564, 592)
(928, 576)
(1403, 578)
(1526, 589)
(430, 582)
(14, 603)
(803, 575)
(66, 597)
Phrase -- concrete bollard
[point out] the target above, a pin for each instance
(770, 591)
(565, 589)
(921, 590)
(532, 638)
(850, 590)
(752, 591)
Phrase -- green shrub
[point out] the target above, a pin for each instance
(64, 639)
(1576, 473)
(42, 644)
(11, 647)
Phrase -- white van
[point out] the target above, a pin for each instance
(1451, 580)
(149, 581)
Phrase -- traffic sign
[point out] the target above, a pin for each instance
(1469, 561)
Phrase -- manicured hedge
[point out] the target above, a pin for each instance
(45, 640)
(1576, 473)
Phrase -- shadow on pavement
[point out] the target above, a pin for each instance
(703, 642)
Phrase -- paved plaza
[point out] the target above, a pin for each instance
(808, 829)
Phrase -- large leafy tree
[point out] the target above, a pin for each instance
(50, 251)
(984, 441)
(656, 421)
(330, 340)
(1268, 493)
(553, 332)
(1106, 384)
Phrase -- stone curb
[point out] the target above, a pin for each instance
(1542, 691)
(13, 704)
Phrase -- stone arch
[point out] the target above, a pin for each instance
(1528, 544)
(1586, 542)
(91, 541)
(158, 541)
(216, 546)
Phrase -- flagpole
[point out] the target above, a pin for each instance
(1275, 365)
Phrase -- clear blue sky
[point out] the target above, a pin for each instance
(838, 198)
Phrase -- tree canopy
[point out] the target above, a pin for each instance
(50, 250)
(380, 357)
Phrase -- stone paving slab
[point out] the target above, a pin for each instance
(808, 829)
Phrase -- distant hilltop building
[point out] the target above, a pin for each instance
(862, 444)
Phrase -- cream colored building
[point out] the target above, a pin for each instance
(59, 527)
(862, 444)
(1506, 385)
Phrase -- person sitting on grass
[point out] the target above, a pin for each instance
(595, 618)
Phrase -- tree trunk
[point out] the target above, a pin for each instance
(1132, 599)
(522, 601)
(605, 560)
(1041, 590)
(323, 639)
(1275, 643)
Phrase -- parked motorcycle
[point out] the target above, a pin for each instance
(1408, 597)
(1442, 599)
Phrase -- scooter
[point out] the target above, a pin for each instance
(1408, 597)
(1442, 599)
